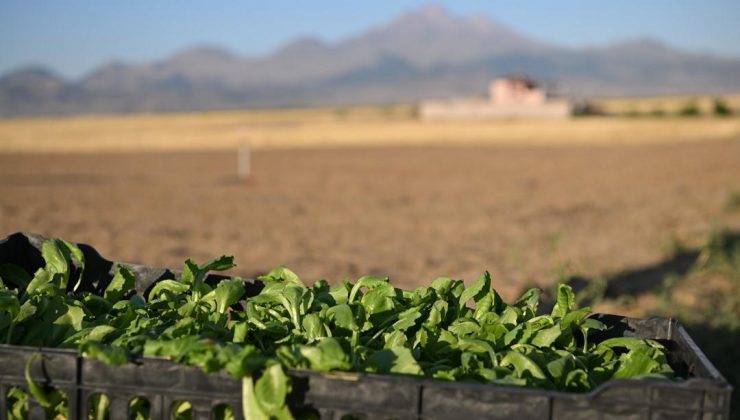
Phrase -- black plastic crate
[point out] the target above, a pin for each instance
(704, 395)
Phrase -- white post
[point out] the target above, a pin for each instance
(244, 157)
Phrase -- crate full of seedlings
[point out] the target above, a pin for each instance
(88, 338)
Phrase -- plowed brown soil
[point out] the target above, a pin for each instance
(524, 213)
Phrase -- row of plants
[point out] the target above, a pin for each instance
(718, 107)
(447, 331)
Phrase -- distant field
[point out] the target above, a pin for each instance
(343, 127)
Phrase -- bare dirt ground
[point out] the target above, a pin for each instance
(414, 213)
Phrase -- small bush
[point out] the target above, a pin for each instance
(720, 108)
(584, 109)
(689, 110)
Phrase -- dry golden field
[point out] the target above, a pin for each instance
(341, 127)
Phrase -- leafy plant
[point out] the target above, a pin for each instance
(721, 108)
(690, 109)
(447, 330)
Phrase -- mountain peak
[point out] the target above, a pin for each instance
(32, 75)
(32, 71)
(433, 35)
(305, 43)
(31, 83)
(439, 18)
(432, 12)
(429, 16)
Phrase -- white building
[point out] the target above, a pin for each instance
(509, 97)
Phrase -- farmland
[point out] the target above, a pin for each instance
(622, 204)
(525, 213)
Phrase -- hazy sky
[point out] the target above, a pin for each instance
(74, 36)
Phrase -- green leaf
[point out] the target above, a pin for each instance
(394, 339)
(510, 315)
(243, 361)
(407, 319)
(442, 285)
(251, 407)
(182, 410)
(547, 336)
(189, 272)
(463, 327)
(240, 332)
(483, 306)
(40, 280)
(37, 391)
(17, 403)
(566, 301)
(522, 364)
(378, 299)
(530, 300)
(577, 380)
(593, 324)
(369, 282)
(53, 255)
(27, 310)
(221, 263)
(477, 290)
(228, 292)
(635, 363)
(72, 317)
(99, 407)
(560, 367)
(9, 303)
(123, 281)
(478, 346)
(631, 343)
(171, 286)
(281, 274)
(437, 314)
(574, 318)
(271, 390)
(590, 324)
(313, 327)
(75, 252)
(394, 360)
(110, 355)
(343, 317)
(340, 292)
(291, 297)
(326, 355)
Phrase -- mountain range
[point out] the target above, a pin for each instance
(428, 53)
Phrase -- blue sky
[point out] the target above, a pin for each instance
(74, 36)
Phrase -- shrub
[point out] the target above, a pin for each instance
(721, 108)
(690, 109)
